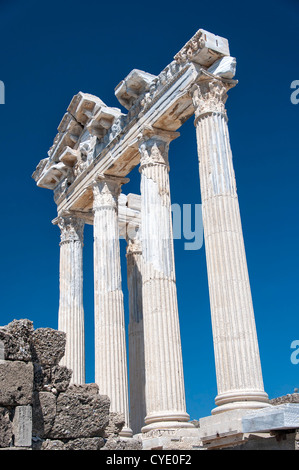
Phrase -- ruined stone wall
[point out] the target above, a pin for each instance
(289, 398)
(39, 409)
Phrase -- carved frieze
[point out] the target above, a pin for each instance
(90, 128)
(83, 107)
(203, 48)
(105, 119)
(132, 87)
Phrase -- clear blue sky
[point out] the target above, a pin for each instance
(52, 50)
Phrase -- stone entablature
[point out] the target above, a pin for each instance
(94, 138)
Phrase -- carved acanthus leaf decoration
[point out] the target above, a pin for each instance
(71, 228)
(209, 96)
(106, 190)
(153, 151)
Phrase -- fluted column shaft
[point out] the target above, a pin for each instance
(136, 335)
(165, 394)
(71, 312)
(237, 359)
(110, 343)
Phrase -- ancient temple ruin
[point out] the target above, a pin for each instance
(93, 153)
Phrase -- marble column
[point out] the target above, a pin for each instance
(136, 335)
(237, 358)
(165, 393)
(110, 342)
(71, 312)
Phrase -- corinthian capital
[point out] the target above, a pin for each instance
(153, 151)
(106, 190)
(71, 228)
(209, 96)
(154, 146)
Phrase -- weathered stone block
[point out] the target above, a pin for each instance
(48, 346)
(85, 443)
(42, 377)
(16, 383)
(115, 425)
(22, 426)
(49, 444)
(289, 398)
(60, 378)
(122, 444)
(284, 416)
(6, 431)
(81, 412)
(2, 350)
(16, 340)
(54, 379)
(44, 412)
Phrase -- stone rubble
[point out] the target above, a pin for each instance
(289, 398)
(39, 407)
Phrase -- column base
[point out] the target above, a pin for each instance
(240, 400)
(164, 421)
(126, 432)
